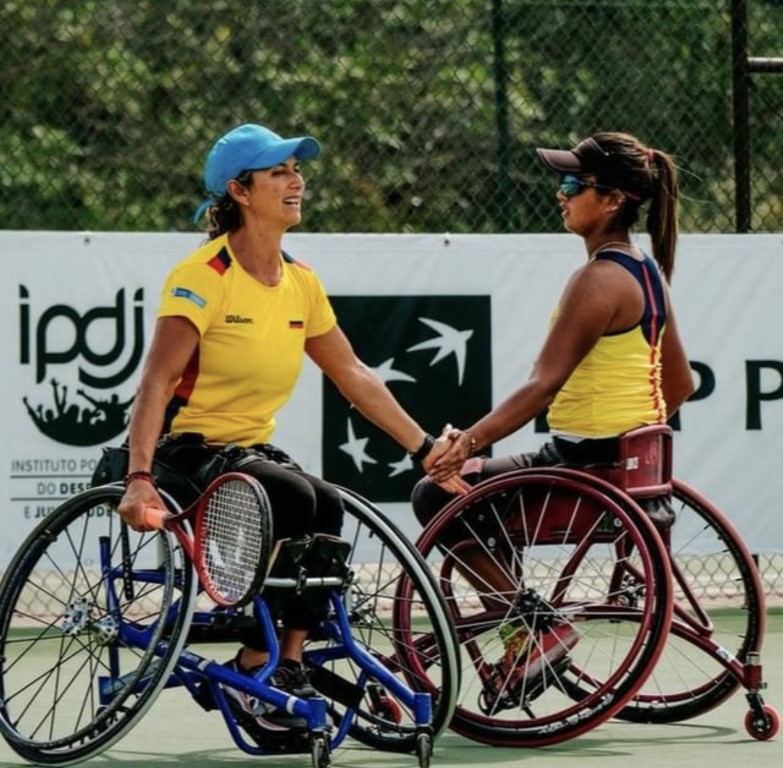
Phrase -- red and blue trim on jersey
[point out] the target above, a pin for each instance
(654, 315)
(221, 261)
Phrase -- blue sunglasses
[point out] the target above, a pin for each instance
(571, 186)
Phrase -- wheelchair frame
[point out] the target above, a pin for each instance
(508, 521)
(126, 612)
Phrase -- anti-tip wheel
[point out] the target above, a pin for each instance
(387, 708)
(762, 725)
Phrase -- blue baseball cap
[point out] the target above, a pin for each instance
(249, 147)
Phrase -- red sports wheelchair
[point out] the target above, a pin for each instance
(571, 606)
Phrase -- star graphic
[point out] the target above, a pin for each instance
(355, 448)
(450, 341)
(398, 467)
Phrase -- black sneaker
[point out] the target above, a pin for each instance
(260, 719)
(294, 678)
(660, 511)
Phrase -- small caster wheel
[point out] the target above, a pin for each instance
(319, 752)
(424, 749)
(763, 725)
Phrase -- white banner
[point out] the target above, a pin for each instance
(79, 308)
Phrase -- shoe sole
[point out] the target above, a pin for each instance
(551, 649)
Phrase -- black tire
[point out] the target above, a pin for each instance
(382, 557)
(81, 629)
(587, 596)
(718, 611)
(424, 749)
(319, 752)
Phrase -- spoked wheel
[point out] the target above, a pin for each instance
(360, 701)
(718, 614)
(561, 599)
(84, 609)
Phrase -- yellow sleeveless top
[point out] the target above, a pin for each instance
(617, 386)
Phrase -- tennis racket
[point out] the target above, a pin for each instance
(232, 537)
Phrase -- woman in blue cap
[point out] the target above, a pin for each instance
(236, 319)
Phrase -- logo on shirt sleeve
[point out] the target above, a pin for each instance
(186, 293)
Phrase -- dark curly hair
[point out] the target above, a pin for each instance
(224, 215)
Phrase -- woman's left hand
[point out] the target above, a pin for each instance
(446, 475)
(450, 461)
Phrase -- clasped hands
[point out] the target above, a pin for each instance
(445, 460)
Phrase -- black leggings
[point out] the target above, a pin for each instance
(301, 504)
(428, 498)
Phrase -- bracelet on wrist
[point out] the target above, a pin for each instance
(140, 474)
(424, 449)
(473, 446)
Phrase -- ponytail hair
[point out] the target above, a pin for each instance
(222, 217)
(644, 174)
(225, 216)
(663, 215)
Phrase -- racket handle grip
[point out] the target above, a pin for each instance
(155, 517)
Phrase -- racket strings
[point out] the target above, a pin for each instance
(232, 541)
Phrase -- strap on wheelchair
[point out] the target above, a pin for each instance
(312, 561)
(185, 463)
(334, 686)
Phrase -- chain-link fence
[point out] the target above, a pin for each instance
(713, 577)
(429, 111)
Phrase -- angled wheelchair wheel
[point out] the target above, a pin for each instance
(92, 619)
(561, 599)
(718, 616)
(364, 703)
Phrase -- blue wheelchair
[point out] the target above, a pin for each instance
(97, 619)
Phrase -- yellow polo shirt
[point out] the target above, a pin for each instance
(252, 341)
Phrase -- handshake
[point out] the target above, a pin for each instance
(447, 456)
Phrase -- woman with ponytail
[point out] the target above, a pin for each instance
(613, 359)
(611, 362)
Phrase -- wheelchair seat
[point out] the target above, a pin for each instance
(644, 466)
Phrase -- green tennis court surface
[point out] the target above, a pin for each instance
(176, 732)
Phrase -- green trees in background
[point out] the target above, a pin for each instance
(107, 109)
